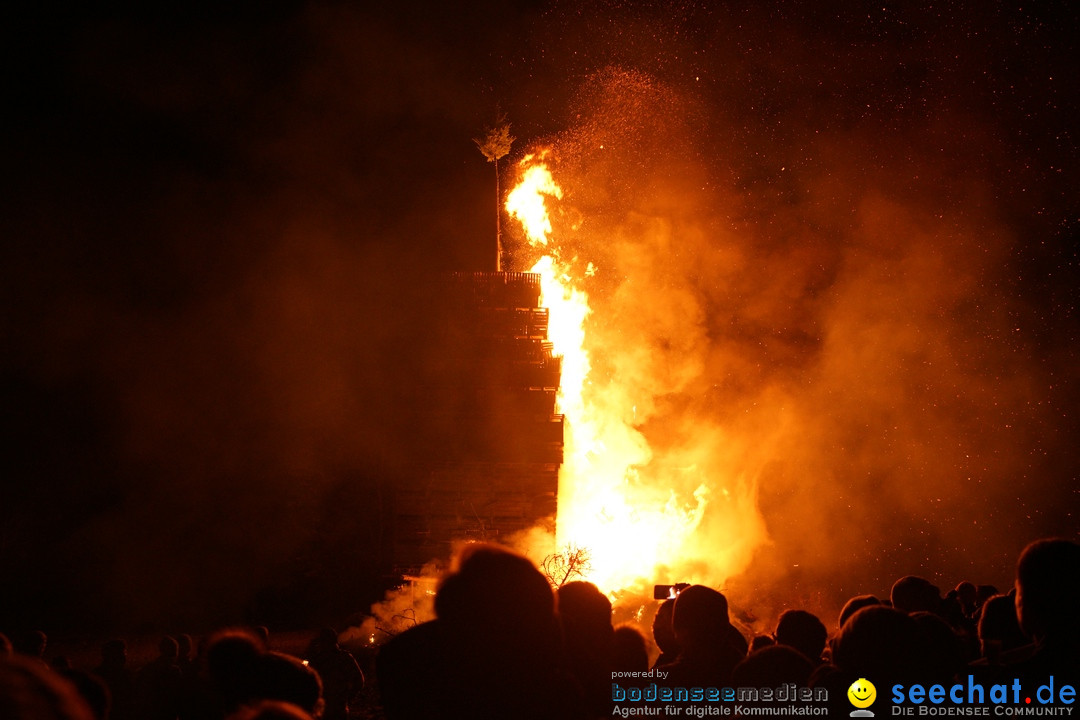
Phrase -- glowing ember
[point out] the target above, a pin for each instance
(630, 526)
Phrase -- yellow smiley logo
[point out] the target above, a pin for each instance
(862, 693)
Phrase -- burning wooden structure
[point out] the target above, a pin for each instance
(491, 467)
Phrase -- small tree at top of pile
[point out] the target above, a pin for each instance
(496, 144)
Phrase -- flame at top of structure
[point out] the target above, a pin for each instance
(526, 200)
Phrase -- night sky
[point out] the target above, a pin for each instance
(218, 227)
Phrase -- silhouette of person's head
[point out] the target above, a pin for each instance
(495, 640)
(878, 642)
(711, 646)
(940, 650)
(284, 677)
(772, 666)
(584, 611)
(232, 658)
(855, 604)
(631, 652)
(999, 630)
(803, 631)
(761, 641)
(915, 594)
(984, 593)
(967, 595)
(494, 592)
(662, 631)
(588, 639)
(1048, 590)
(700, 616)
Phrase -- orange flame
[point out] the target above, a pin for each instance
(631, 527)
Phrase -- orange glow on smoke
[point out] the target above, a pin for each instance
(628, 515)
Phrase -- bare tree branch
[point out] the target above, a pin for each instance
(569, 563)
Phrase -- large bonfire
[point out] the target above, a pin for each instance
(637, 520)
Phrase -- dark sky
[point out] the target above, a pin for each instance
(217, 226)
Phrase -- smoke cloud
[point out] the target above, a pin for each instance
(824, 312)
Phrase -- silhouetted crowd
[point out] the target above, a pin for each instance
(505, 645)
(234, 676)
